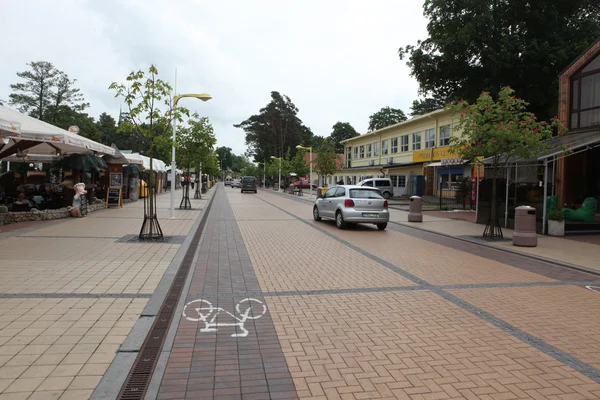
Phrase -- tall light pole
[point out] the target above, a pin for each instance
(310, 164)
(279, 182)
(176, 98)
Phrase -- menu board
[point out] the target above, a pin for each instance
(113, 197)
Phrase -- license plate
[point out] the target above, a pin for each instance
(370, 215)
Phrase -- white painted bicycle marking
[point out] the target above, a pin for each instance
(594, 288)
(208, 314)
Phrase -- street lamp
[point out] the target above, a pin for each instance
(278, 182)
(201, 96)
(310, 163)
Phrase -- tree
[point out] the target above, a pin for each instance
(476, 45)
(108, 129)
(317, 141)
(45, 91)
(424, 106)
(299, 165)
(274, 129)
(195, 142)
(326, 161)
(341, 131)
(225, 157)
(385, 117)
(501, 130)
(149, 102)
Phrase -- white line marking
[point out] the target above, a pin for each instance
(206, 310)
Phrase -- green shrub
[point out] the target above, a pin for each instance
(3, 209)
(556, 215)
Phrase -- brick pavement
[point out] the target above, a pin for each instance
(363, 314)
(70, 294)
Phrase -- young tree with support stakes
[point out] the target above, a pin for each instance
(326, 161)
(502, 130)
(150, 106)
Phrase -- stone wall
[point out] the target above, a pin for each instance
(36, 215)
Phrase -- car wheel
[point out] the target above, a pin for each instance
(386, 195)
(316, 215)
(339, 220)
(382, 227)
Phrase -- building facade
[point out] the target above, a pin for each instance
(414, 154)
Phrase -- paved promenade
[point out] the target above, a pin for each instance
(70, 293)
(279, 306)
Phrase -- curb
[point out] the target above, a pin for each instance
(516, 252)
(111, 383)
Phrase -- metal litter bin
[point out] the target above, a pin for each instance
(524, 234)
(415, 209)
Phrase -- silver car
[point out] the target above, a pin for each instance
(236, 183)
(352, 204)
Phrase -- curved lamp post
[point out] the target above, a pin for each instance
(203, 97)
(310, 163)
(278, 182)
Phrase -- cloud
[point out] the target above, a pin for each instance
(336, 60)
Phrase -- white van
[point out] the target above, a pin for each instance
(383, 184)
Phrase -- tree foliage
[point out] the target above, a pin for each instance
(326, 160)
(299, 165)
(427, 105)
(476, 45)
(195, 142)
(385, 117)
(45, 92)
(341, 131)
(275, 128)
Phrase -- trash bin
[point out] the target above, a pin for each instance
(415, 209)
(321, 191)
(524, 234)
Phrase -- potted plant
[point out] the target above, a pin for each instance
(556, 223)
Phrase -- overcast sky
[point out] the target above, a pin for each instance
(336, 60)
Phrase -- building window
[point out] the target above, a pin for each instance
(356, 153)
(445, 135)
(369, 150)
(404, 143)
(585, 96)
(416, 140)
(429, 138)
(402, 181)
(384, 148)
(395, 145)
(376, 149)
(362, 151)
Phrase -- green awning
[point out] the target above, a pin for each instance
(132, 169)
(84, 162)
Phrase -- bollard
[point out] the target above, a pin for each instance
(524, 234)
(415, 209)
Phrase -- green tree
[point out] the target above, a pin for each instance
(108, 130)
(341, 131)
(149, 103)
(501, 130)
(317, 141)
(195, 143)
(385, 117)
(299, 165)
(326, 161)
(424, 106)
(44, 91)
(275, 128)
(476, 45)
(225, 157)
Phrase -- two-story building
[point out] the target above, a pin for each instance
(415, 154)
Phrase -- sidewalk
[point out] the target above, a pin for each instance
(562, 250)
(71, 291)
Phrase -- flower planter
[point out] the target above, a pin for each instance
(556, 228)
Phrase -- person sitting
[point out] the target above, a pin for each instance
(22, 204)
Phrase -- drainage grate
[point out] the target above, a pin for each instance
(137, 381)
(165, 239)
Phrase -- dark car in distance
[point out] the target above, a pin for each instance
(248, 184)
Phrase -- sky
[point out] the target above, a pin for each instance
(336, 60)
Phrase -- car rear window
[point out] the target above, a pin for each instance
(365, 194)
(248, 180)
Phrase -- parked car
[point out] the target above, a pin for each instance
(248, 184)
(303, 184)
(383, 184)
(236, 183)
(352, 204)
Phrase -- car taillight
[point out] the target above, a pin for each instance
(385, 204)
(348, 203)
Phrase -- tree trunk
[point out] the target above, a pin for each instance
(493, 231)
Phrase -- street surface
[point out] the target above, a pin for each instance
(281, 306)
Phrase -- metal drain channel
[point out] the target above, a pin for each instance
(137, 381)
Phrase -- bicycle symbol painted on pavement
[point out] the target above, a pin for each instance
(208, 314)
(594, 288)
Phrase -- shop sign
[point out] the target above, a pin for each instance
(433, 154)
(452, 161)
